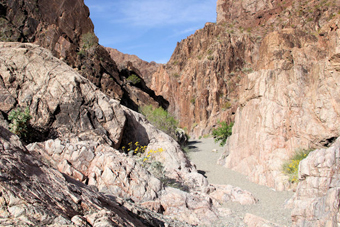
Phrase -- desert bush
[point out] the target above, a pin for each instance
(291, 167)
(161, 119)
(193, 100)
(89, 40)
(222, 132)
(19, 121)
(210, 57)
(226, 105)
(134, 79)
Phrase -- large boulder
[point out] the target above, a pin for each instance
(317, 198)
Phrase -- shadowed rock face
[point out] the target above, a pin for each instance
(64, 27)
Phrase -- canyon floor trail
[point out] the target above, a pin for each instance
(271, 203)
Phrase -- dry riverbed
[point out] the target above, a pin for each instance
(271, 203)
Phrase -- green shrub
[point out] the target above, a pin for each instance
(89, 40)
(176, 75)
(222, 132)
(161, 119)
(134, 79)
(19, 121)
(210, 57)
(247, 70)
(291, 167)
(226, 105)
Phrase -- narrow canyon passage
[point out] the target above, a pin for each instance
(271, 203)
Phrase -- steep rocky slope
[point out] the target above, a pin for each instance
(274, 62)
(64, 27)
(289, 103)
(202, 79)
(126, 61)
(273, 68)
(34, 194)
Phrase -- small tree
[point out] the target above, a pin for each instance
(134, 79)
(222, 132)
(19, 121)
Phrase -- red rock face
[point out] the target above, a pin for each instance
(126, 61)
(273, 63)
(202, 77)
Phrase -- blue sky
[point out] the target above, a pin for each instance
(149, 29)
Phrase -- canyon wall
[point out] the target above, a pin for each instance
(290, 103)
(270, 66)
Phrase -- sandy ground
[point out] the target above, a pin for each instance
(271, 203)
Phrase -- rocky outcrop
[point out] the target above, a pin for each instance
(276, 79)
(289, 103)
(132, 62)
(317, 198)
(203, 77)
(64, 27)
(34, 194)
(200, 81)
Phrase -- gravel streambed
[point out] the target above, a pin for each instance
(271, 203)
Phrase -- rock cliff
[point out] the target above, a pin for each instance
(289, 103)
(202, 79)
(271, 67)
(64, 27)
(132, 62)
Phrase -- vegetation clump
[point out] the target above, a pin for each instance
(19, 122)
(222, 132)
(291, 167)
(89, 40)
(161, 119)
(134, 79)
(148, 160)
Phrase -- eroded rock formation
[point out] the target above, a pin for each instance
(289, 103)
(276, 64)
(34, 194)
(132, 62)
(317, 198)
